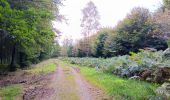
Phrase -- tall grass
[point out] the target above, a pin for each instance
(120, 89)
(44, 67)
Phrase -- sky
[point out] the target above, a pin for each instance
(110, 11)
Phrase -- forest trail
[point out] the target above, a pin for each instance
(65, 83)
(70, 85)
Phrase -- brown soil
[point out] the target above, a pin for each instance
(70, 85)
(37, 88)
(86, 90)
(14, 78)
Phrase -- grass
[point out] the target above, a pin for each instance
(10, 92)
(13, 91)
(44, 67)
(119, 88)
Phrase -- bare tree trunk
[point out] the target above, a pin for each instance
(12, 65)
(1, 60)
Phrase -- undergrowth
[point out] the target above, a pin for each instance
(10, 92)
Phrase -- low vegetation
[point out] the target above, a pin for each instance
(99, 63)
(119, 88)
(145, 65)
(145, 58)
(10, 92)
(44, 67)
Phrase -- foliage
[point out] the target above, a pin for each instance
(67, 48)
(138, 30)
(110, 46)
(144, 59)
(27, 31)
(99, 44)
(70, 51)
(168, 41)
(162, 18)
(90, 24)
(10, 92)
(90, 21)
(134, 33)
(166, 4)
(149, 59)
(55, 52)
(100, 64)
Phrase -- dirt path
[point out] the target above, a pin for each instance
(64, 84)
(70, 85)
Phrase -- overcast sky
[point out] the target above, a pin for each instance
(110, 11)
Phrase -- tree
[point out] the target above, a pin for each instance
(70, 51)
(27, 31)
(67, 47)
(81, 48)
(110, 45)
(162, 18)
(90, 23)
(99, 41)
(133, 33)
(167, 4)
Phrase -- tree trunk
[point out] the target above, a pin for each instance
(12, 65)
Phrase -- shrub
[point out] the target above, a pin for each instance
(144, 59)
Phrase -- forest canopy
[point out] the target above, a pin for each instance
(140, 29)
(26, 31)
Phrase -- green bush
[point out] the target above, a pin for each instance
(149, 59)
(145, 59)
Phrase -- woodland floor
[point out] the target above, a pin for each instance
(66, 83)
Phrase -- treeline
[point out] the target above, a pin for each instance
(26, 32)
(140, 29)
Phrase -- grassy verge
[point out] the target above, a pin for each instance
(119, 88)
(10, 92)
(44, 67)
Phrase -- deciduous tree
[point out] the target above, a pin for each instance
(90, 24)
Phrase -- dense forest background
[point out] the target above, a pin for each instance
(28, 37)
(140, 29)
(26, 32)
